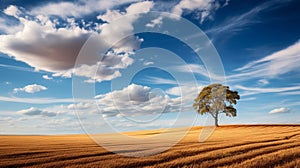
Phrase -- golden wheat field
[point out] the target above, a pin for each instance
(229, 146)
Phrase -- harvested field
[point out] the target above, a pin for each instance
(229, 146)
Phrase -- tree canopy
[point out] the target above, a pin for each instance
(215, 99)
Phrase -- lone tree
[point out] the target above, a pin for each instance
(215, 99)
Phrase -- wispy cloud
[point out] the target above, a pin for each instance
(271, 66)
(18, 68)
(239, 22)
(201, 70)
(159, 81)
(248, 99)
(259, 90)
(38, 100)
(291, 93)
(148, 63)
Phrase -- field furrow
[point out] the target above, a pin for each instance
(229, 146)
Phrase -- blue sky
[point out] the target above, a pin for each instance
(147, 80)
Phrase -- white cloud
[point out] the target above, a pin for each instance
(140, 7)
(237, 23)
(38, 100)
(263, 82)
(191, 91)
(248, 99)
(106, 69)
(279, 110)
(198, 69)
(110, 15)
(201, 9)
(47, 77)
(81, 106)
(273, 65)
(159, 81)
(136, 100)
(49, 120)
(42, 46)
(259, 90)
(204, 7)
(135, 8)
(12, 11)
(291, 93)
(78, 8)
(6, 119)
(155, 22)
(36, 112)
(18, 68)
(186, 93)
(119, 58)
(131, 93)
(31, 88)
(112, 32)
(45, 47)
(9, 26)
(48, 45)
(146, 63)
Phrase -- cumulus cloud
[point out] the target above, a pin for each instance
(112, 32)
(155, 22)
(119, 57)
(49, 38)
(45, 45)
(30, 88)
(140, 7)
(36, 112)
(279, 110)
(204, 7)
(110, 15)
(81, 106)
(135, 100)
(9, 26)
(47, 77)
(12, 11)
(106, 69)
(78, 8)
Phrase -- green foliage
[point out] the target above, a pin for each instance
(215, 99)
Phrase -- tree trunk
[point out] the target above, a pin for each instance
(216, 121)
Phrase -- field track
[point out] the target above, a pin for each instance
(230, 146)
